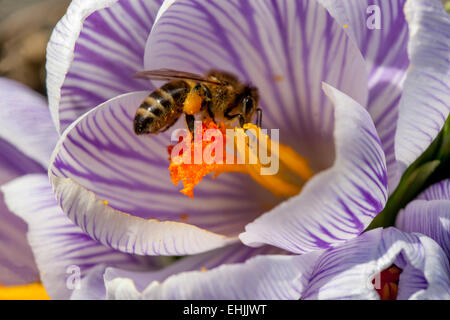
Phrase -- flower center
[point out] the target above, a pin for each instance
(386, 283)
(216, 149)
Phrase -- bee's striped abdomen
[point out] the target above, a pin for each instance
(178, 90)
(161, 108)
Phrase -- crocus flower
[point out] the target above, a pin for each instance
(115, 188)
(100, 160)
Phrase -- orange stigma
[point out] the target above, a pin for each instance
(183, 167)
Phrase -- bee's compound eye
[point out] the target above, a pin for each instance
(142, 124)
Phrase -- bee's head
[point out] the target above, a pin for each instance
(249, 104)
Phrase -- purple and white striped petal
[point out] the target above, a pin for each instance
(429, 215)
(425, 103)
(64, 254)
(94, 52)
(94, 285)
(17, 264)
(235, 253)
(100, 158)
(438, 191)
(27, 137)
(25, 122)
(265, 277)
(338, 203)
(284, 48)
(347, 271)
(164, 6)
(381, 32)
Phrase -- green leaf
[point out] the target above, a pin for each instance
(431, 167)
(409, 189)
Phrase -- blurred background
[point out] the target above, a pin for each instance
(25, 28)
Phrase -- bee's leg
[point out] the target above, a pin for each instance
(207, 102)
(232, 116)
(259, 117)
(203, 91)
(241, 120)
(190, 122)
(197, 89)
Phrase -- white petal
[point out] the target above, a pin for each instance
(94, 52)
(425, 102)
(380, 30)
(270, 277)
(338, 203)
(25, 121)
(63, 252)
(429, 215)
(128, 233)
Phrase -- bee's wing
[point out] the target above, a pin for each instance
(169, 74)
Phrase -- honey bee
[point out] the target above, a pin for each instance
(218, 95)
